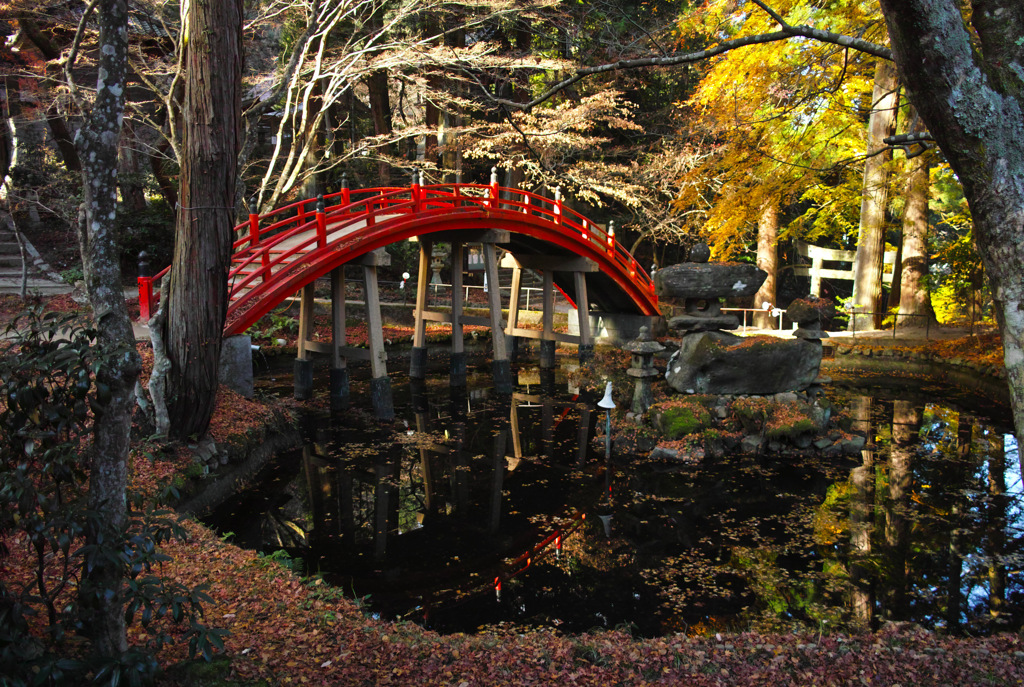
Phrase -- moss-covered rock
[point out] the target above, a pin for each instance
(679, 419)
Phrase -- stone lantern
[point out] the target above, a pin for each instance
(437, 257)
(643, 348)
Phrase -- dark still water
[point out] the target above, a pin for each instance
(474, 510)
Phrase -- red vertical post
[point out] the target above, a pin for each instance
(321, 222)
(254, 230)
(494, 188)
(611, 237)
(145, 298)
(558, 206)
(346, 194)
(414, 191)
(254, 238)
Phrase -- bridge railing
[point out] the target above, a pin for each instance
(267, 244)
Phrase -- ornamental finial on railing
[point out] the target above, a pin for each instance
(611, 235)
(320, 207)
(344, 179)
(494, 175)
(415, 177)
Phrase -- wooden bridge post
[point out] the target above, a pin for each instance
(418, 355)
(547, 340)
(513, 307)
(380, 383)
(458, 355)
(585, 348)
(303, 381)
(500, 365)
(339, 389)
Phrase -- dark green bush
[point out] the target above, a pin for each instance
(49, 395)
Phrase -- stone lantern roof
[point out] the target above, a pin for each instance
(643, 344)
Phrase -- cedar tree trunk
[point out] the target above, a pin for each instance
(197, 301)
(867, 266)
(915, 305)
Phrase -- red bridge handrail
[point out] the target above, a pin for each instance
(275, 251)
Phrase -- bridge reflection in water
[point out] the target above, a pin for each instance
(486, 489)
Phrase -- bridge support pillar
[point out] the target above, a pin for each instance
(458, 356)
(418, 355)
(381, 398)
(547, 342)
(380, 385)
(339, 388)
(501, 366)
(579, 323)
(585, 349)
(303, 377)
(303, 373)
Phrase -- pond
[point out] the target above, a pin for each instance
(475, 510)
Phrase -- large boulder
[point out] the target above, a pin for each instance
(708, 280)
(723, 363)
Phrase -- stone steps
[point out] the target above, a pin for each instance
(39, 279)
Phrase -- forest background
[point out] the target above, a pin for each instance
(770, 141)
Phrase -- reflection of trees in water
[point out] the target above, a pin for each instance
(924, 526)
(932, 521)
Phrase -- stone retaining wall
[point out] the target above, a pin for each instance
(988, 380)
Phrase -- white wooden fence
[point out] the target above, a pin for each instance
(816, 270)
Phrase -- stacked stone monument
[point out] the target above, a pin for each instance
(710, 359)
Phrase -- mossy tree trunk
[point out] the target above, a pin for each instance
(101, 589)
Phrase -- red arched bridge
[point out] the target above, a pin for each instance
(285, 249)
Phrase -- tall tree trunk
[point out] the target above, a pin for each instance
(906, 422)
(998, 503)
(133, 195)
(968, 88)
(314, 137)
(767, 260)
(915, 307)
(157, 160)
(197, 299)
(380, 109)
(58, 126)
(867, 266)
(101, 590)
(862, 507)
